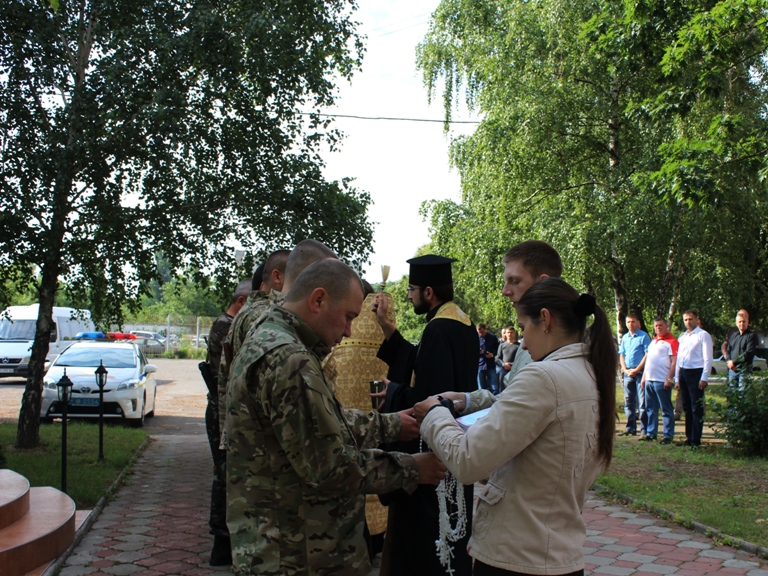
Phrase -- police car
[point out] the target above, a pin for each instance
(129, 394)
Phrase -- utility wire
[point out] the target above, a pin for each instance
(391, 118)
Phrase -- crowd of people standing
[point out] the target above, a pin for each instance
(651, 367)
(294, 463)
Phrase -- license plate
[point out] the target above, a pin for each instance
(84, 402)
(6, 370)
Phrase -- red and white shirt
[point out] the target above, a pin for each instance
(659, 360)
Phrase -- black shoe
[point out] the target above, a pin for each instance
(665, 441)
(628, 433)
(221, 555)
(648, 439)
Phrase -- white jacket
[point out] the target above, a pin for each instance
(538, 444)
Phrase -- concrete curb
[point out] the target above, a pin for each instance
(85, 527)
(749, 547)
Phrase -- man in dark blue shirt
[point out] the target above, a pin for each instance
(486, 371)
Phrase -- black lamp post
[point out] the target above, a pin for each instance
(101, 381)
(65, 393)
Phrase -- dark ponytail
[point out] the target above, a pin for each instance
(572, 310)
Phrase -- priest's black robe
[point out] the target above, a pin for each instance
(445, 360)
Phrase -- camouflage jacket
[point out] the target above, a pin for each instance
(216, 338)
(296, 466)
(258, 302)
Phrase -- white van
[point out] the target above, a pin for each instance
(17, 332)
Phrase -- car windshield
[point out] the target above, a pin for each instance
(17, 329)
(84, 357)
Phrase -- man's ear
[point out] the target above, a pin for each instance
(428, 293)
(277, 278)
(316, 300)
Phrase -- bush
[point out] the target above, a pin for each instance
(743, 419)
(186, 352)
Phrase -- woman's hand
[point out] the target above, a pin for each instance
(421, 408)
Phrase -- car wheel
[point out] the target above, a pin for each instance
(154, 403)
(46, 420)
(139, 422)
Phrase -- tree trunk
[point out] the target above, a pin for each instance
(672, 270)
(619, 282)
(675, 293)
(28, 433)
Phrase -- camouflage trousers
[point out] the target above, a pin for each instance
(218, 519)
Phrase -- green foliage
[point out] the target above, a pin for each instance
(605, 134)
(149, 127)
(87, 478)
(187, 351)
(743, 418)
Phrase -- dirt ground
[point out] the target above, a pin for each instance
(181, 398)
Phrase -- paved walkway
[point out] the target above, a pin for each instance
(157, 524)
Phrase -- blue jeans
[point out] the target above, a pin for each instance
(693, 404)
(487, 379)
(736, 379)
(656, 396)
(634, 400)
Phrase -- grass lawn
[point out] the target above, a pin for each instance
(714, 485)
(87, 478)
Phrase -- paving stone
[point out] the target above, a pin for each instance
(638, 558)
(657, 569)
(598, 560)
(623, 514)
(656, 529)
(129, 546)
(616, 570)
(695, 544)
(76, 570)
(641, 521)
(717, 554)
(678, 536)
(133, 538)
(619, 548)
(740, 564)
(123, 569)
(757, 573)
(128, 557)
(601, 539)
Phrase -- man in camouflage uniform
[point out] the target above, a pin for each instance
(220, 555)
(297, 466)
(275, 288)
(268, 291)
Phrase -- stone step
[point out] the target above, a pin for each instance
(41, 535)
(14, 497)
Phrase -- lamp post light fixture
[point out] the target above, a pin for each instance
(101, 381)
(65, 393)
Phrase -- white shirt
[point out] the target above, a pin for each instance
(659, 360)
(695, 352)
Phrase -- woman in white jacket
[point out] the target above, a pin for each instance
(543, 442)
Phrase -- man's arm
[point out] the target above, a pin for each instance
(671, 375)
(310, 429)
(706, 354)
(372, 429)
(751, 349)
(623, 365)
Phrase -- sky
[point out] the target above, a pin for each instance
(401, 164)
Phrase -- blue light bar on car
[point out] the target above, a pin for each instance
(90, 336)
